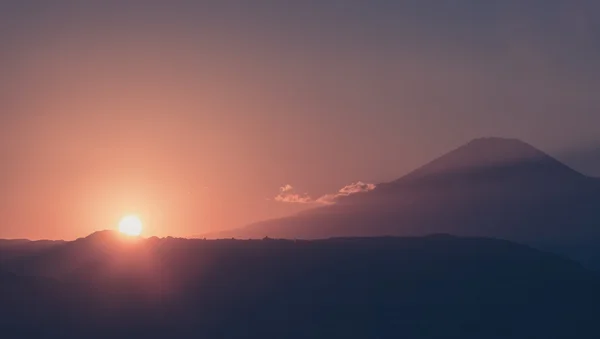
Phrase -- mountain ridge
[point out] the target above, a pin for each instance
(356, 287)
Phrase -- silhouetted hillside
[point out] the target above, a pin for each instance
(489, 187)
(14, 248)
(431, 287)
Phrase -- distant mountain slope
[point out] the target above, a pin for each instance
(489, 187)
(66, 258)
(13, 248)
(431, 287)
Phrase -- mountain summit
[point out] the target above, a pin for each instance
(494, 154)
(492, 168)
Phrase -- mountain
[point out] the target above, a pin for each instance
(15, 248)
(491, 187)
(428, 287)
(71, 258)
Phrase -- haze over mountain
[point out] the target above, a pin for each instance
(491, 187)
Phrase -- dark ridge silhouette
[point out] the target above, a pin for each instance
(7, 244)
(438, 286)
(59, 261)
(491, 187)
(14, 248)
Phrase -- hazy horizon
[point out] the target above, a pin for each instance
(196, 115)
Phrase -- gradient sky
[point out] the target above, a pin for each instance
(193, 114)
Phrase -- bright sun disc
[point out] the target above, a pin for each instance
(130, 225)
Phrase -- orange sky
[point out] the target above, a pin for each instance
(193, 117)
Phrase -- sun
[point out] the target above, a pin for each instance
(130, 225)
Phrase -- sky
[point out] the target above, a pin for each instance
(198, 115)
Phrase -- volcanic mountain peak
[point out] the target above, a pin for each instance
(496, 154)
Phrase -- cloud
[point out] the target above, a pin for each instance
(326, 199)
(357, 187)
(287, 194)
(286, 188)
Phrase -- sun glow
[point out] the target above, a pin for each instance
(130, 225)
